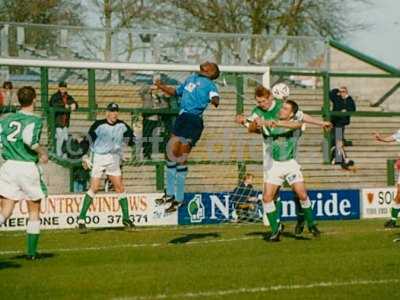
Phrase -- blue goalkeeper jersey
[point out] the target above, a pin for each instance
(196, 92)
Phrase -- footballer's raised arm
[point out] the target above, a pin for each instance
(169, 90)
(387, 139)
(306, 118)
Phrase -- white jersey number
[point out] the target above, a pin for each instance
(12, 137)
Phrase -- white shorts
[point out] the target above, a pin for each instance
(22, 180)
(281, 171)
(110, 164)
(267, 160)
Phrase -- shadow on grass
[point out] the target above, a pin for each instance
(106, 229)
(265, 235)
(193, 236)
(40, 256)
(9, 265)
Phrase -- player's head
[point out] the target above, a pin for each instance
(288, 110)
(7, 85)
(248, 178)
(62, 87)
(26, 96)
(343, 92)
(209, 70)
(264, 97)
(112, 112)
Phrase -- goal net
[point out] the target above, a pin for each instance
(223, 158)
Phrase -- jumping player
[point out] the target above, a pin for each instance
(395, 210)
(284, 135)
(196, 92)
(20, 175)
(106, 141)
(268, 108)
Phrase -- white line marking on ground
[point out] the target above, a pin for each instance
(263, 289)
(121, 246)
(139, 228)
(164, 244)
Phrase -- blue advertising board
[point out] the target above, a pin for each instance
(212, 208)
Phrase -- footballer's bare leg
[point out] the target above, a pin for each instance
(269, 193)
(7, 208)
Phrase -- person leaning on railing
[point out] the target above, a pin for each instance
(341, 102)
(63, 103)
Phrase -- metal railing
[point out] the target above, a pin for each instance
(24, 40)
(277, 69)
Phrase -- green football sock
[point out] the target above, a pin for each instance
(299, 210)
(87, 201)
(32, 242)
(308, 216)
(32, 237)
(123, 202)
(278, 205)
(395, 213)
(272, 216)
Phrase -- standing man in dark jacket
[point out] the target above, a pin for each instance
(341, 102)
(66, 103)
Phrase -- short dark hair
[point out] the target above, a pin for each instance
(7, 85)
(294, 105)
(26, 95)
(62, 84)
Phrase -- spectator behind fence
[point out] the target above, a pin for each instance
(244, 197)
(8, 98)
(341, 102)
(65, 103)
(75, 148)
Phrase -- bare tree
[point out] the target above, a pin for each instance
(118, 17)
(323, 18)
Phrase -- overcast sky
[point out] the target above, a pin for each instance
(382, 38)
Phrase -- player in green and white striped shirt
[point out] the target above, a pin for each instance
(20, 176)
(268, 109)
(283, 136)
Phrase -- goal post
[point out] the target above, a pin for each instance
(225, 152)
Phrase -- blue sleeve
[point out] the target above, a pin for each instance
(179, 89)
(213, 91)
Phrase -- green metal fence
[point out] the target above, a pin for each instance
(325, 111)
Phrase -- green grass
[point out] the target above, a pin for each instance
(352, 260)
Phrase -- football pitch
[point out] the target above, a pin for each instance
(351, 260)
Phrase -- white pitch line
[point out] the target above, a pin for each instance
(263, 289)
(166, 244)
(138, 229)
(121, 246)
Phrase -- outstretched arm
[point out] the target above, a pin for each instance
(252, 126)
(384, 139)
(314, 121)
(169, 90)
(285, 124)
